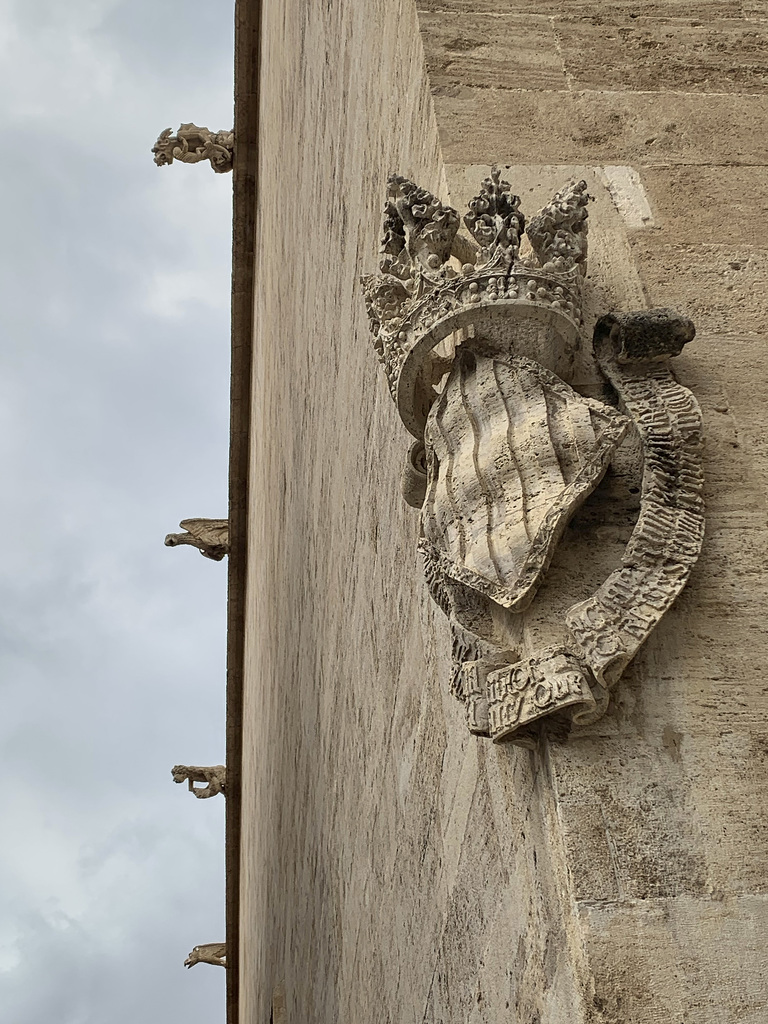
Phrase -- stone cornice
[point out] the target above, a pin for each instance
(248, 16)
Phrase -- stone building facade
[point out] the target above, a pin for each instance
(383, 864)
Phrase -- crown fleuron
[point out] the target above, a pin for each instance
(436, 281)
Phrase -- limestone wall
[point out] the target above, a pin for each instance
(394, 868)
(663, 804)
(337, 618)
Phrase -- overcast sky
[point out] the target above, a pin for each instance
(113, 427)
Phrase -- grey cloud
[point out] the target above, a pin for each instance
(113, 426)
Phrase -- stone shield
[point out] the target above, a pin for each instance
(512, 451)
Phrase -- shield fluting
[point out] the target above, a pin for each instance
(512, 451)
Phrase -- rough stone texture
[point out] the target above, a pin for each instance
(341, 809)
(394, 868)
(486, 51)
(654, 800)
(508, 125)
(477, 362)
(663, 54)
(662, 817)
(605, 51)
(688, 9)
(721, 285)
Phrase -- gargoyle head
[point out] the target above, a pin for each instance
(214, 953)
(162, 149)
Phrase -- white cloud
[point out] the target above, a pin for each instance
(113, 426)
(173, 294)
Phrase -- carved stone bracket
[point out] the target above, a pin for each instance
(210, 953)
(478, 362)
(191, 145)
(214, 777)
(209, 536)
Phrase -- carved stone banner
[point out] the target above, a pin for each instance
(551, 680)
(191, 145)
(478, 343)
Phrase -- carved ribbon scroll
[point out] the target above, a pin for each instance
(633, 351)
(479, 362)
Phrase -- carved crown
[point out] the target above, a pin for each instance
(435, 282)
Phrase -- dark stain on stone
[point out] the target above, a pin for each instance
(672, 740)
(462, 45)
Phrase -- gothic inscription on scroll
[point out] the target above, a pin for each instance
(478, 339)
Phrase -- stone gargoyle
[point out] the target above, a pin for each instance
(209, 536)
(191, 145)
(478, 341)
(214, 778)
(211, 953)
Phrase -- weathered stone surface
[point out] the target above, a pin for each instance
(393, 868)
(721, 285)
(732, 204)
(611, 50)
(487, 51)
(703, 977)
(599, 127)
(664, 55)
(627, 8)
(338, 898)
(756, 10)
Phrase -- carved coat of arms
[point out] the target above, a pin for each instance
(478, 344)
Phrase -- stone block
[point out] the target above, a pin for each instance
(664, 55)
(712, 952)
(632, 802)
(483, 51)
(721, 287)
(500, 126)
(730, 203)
(755, 10)
(623, 8)
(739, 396)
(394, 868)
